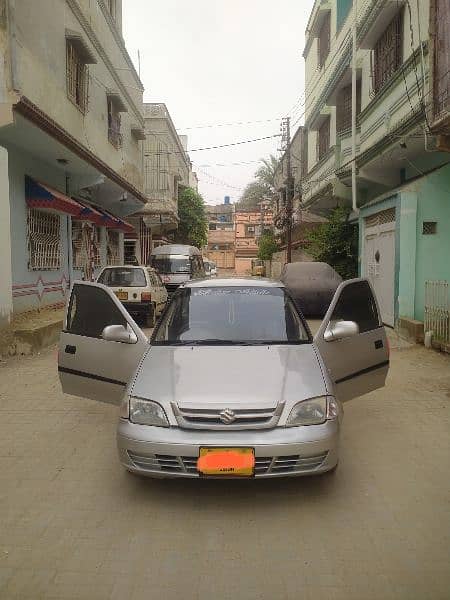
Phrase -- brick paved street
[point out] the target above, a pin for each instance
(74, 524)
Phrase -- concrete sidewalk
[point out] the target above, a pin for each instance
(33, 331)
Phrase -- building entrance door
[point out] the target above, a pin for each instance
(379, 261)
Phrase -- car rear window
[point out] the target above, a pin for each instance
(231, 315)
(123, 277)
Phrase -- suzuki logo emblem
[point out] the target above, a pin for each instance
(227, 416)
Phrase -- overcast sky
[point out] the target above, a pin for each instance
(218, 62)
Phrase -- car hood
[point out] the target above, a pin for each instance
(231, 376)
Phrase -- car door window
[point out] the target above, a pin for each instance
(357, 303)
(90, 310)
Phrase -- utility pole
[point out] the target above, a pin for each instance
(286, 141)
(354, 106)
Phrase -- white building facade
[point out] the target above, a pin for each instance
(71, 159)
(391, 145)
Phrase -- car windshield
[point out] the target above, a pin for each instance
(231, 315)
(169, 264)
(123, 277)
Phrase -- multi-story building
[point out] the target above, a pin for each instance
(167, 169)
(70, 156)
(402, 179)
(249, 226)
(221, 236)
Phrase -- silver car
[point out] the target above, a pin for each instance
(231, 384)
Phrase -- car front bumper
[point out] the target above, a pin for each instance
(279, 452)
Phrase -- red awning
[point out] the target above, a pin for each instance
(42, 196)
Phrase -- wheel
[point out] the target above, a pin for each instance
(150, 319)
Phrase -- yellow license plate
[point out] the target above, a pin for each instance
(234, 462)
(122, 295)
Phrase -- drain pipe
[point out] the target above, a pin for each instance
(354, 190)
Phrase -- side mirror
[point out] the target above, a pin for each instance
(119, 333)
(340, 330)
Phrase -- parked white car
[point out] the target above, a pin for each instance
(139, 289)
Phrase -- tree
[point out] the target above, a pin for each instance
(193, 226)
(267, 246)
(335, 243)
(263, 186)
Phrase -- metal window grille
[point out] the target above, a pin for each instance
(437, 310)
(85, 245)
(385, 216)
(344, 106)
(442, 59)
(113, 248)
(323, 139)
(44, 243)
(388, 52)
(429, 227)
(77, 74)
(324, 40)
(114, 122)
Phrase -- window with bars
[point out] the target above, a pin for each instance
(324, 40)
(441, 61)
(388, 52)
(77, 75)
(114, 122)
(113, 248)
(344, 106)
(85, 245)
(44, 240)
(323, 139)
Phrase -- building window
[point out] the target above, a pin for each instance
(111, 6)
(441, 79)
(429, 227)
(85, 245)
(388, 52)
(113, 248)
(344, 106)
(77, 74)
(323, 139)
(324, 40)
(249, 231)
(44, 240)
(114, 121)
(342, 10)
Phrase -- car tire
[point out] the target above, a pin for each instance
(150, 318)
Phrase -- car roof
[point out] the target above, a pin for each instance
(175, 249)
(234, 282)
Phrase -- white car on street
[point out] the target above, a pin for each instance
(139, 288)
(232, 383)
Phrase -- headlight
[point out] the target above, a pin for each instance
(313, 412)
(147, 412)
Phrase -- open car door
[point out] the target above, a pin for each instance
(352, 341)
(100, 346)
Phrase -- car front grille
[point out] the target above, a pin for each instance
(243, 418)
(187, 465)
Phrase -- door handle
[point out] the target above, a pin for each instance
(70, 349)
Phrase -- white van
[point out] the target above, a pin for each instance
(177, 264)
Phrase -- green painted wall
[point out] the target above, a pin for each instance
(433, 251)
(408, 253)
